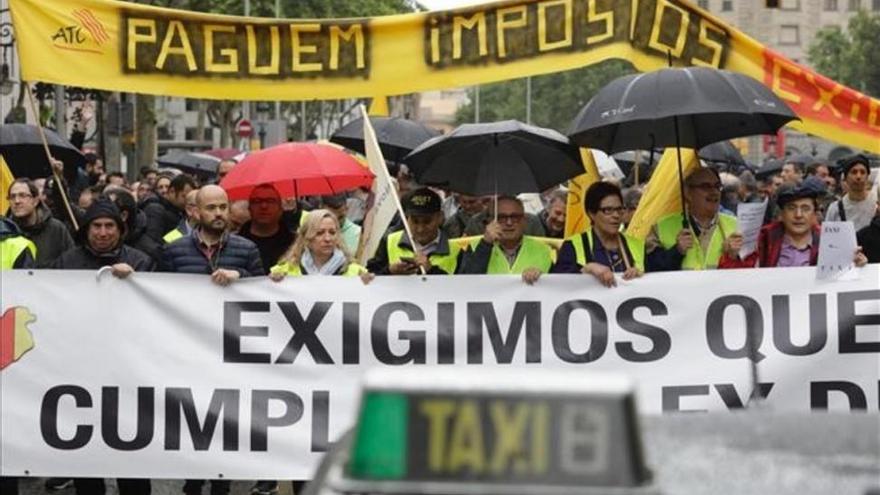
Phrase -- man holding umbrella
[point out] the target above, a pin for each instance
(504, 250)
(698, 242)
(429, 249)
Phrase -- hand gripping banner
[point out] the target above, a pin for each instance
(121, 46)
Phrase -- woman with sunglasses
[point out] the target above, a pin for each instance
(603, 250)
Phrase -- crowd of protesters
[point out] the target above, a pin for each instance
(170, 222)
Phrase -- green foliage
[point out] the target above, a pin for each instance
(305, 9)
(850, 57)
(556, 98)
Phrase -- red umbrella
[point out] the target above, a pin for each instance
(223, 153)
(297, 169)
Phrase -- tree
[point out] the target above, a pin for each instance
(850, 57)
(556, 98)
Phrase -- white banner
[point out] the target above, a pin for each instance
(169, 376)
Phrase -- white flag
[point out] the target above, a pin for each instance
(383, 202)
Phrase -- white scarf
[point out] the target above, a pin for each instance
(329, 268)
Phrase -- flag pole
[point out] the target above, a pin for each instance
(49, 157)
(384, 171)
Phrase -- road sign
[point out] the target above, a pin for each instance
(244, 128)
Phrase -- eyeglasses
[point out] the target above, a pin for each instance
(511, 218)
(263, 201)
(14, 196)
(802, 209)
(611, 210)
(707, 186)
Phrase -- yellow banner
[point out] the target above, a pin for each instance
(6, 180)
(121, 46)
(662, 193)
(576, 219)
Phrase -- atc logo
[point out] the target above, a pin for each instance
(87, 35)
(15, 336)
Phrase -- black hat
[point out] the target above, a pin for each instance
(849, 162)
(422, 201)
(102, 208)
(811, 189)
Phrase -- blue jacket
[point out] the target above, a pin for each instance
(235, 253)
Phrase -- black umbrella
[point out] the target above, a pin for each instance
(641, 111)
(689, 107)
(506, 157)
(200, 164)
(22, 148)
(724, 155)
(396, 136)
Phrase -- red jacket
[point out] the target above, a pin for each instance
(769, 248)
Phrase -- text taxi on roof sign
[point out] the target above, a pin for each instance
(451, 432)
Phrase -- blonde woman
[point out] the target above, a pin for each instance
(318, 250)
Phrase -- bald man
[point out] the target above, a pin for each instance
(210, 249)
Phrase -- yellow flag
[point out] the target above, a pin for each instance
(6, 179)
(662, 195)
(379, 107)
(576, 219)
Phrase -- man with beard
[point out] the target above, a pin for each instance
(505, 250)
(209, 248)
(265, 228)
(36, 222)
(695, 242)
(167, 211)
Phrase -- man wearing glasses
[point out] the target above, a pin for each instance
(698, 243)
(265, 228)
(793, 240)
(504, 249)
(35, 220)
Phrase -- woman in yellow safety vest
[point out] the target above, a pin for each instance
(318, 250)
(603, 250)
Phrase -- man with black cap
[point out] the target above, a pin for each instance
(793, 240)
(103, 231)
(857, 206)
(430, 249)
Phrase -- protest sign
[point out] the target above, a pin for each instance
(749, 219)
(837, 251)
(128, 378)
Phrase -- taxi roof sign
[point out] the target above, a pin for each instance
(449, 431)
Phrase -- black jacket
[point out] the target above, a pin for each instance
(235, 253)
(83, 258)
(8, 229)
(49, 235)
(162, 217)
(137, 237)
(869, 239)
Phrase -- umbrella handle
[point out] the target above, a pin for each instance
(58, 179)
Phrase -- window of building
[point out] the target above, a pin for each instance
(875, 5)
(704, 4)
(789, 35)
(790, 4)
(854, 5)
(726, 5)
(830, 5)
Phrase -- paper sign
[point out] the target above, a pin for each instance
(749, 218)
(837, 248)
